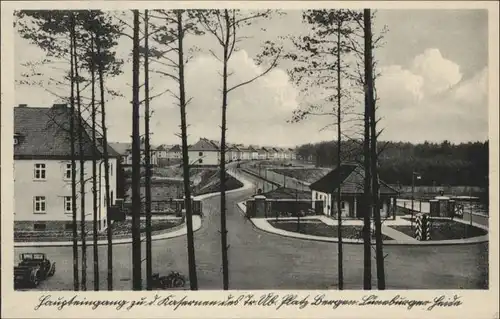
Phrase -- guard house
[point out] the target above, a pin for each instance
(350, 178)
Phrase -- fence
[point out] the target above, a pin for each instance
(263, 207)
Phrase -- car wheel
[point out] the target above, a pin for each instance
(35, 278)
(52, 270)
(178, 283)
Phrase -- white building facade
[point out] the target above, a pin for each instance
(42, 173)
(43, 199)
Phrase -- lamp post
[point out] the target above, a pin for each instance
(417, 175)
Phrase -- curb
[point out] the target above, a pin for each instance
(450, 242)
(180, 230)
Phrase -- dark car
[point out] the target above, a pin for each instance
(33, 268)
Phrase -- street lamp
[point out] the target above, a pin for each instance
(418, 176)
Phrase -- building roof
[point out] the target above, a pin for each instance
(351, 178)
(175, 148)
(287, 193)
(44, 133)
(232, 147)
(120, 147)
(204, 145)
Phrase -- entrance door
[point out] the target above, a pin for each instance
(344, 207)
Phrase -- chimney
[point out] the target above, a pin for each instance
(23, 105)
(59, 106)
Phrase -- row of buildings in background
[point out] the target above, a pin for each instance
(205, 152)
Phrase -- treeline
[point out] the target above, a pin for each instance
(437, 163)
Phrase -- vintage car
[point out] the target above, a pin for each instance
(33, 268)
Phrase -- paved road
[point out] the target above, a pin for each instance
(259, 260)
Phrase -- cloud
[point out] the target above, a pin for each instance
(431, 101)
(438, 73)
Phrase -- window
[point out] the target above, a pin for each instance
(200, 154)
(342, 205)
(39, 204)
(111, 198)
(67, 171)
(110, 169)
(200, 161)
(39, 227)
(16, 141)
(40, 171)
(68, 207)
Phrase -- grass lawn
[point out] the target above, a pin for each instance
(231, 183)
(121, 229)
(318, 228)
(443, 229)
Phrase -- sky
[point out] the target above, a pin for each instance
(433, 85)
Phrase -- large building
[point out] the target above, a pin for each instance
(204, 152)
(350, 179)
(42, 171)
(125, 153)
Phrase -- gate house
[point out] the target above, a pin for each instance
(350, 177)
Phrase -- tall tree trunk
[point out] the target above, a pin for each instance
(147, 159)
(223, 227)
(339, 153)
(367, 274)
(374, 169)
(107, 202)
(82, 174)
(76, 284)
(136, 162)
(193, 280)
(94, 170)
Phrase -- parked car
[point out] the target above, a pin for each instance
(32, 269)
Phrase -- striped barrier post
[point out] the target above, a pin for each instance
(427, 227)
(418, 228)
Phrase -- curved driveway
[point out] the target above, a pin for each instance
(258, 260)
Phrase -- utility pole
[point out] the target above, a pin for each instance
(147, 150)
(136, 162)
(367, 268)
(412, 195)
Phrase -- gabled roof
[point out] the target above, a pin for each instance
(175, 148)
(120, 147)
(232, 147)
(45, 133)
(204, 145)
(351, 178)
